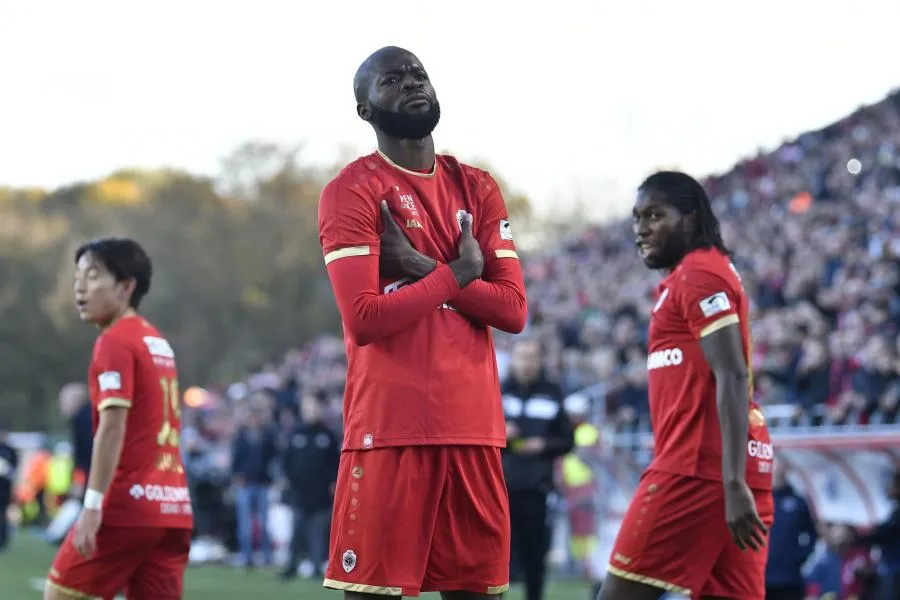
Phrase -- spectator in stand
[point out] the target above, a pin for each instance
(252, 460)
(75, 406)
(844, 570)
(538, 431)
(792, 539)
(9, 462)
(887, 537)
(310, 465)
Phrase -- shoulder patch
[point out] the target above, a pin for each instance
(715, 304)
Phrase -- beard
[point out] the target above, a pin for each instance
(669, 255)
(405, 126)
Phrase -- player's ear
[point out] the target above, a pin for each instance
(126, 288)
(362, 109)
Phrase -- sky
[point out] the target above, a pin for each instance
(569, 101)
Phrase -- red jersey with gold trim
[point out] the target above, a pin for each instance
(421, 362)
(703, 294)
(133, 366)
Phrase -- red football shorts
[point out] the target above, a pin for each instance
(674, 537)
(420, 519)
(147, 563)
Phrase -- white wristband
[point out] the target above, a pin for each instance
(93, 500)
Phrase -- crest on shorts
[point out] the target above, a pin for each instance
(348, 561)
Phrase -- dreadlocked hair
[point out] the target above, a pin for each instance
(687, 195)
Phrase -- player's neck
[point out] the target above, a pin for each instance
(414, 155)
(128, 312)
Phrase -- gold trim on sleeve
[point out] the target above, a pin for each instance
(497, 589)
(506, 254)
(720, 324)
(657, 583)
(114, 402)
(73, 594)
(361, 588)
(347, 252)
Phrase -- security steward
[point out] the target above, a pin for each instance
(538, 431)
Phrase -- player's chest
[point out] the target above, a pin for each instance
(667, 325)
(430, 213)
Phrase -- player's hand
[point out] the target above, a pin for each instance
(470, 264)
(398, 257)
(747, 529)
(85, 539)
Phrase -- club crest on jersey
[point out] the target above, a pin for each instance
(368, 441)
(109, 381)
(460, 217)
(715, 304)
(348, 561)
(505, 230)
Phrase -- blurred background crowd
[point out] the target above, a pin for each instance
(815, 230)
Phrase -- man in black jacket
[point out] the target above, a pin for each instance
(252, 463)
(310, 463)
(538, 431)
(9, 462)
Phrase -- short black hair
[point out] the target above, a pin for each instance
(687, 195)
(125, 259)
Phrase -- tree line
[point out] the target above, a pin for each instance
(238, 271)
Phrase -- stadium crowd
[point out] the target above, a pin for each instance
(814, 227)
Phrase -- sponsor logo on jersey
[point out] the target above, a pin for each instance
(760, 450)
(670, 357)
(505, 230)
(715, 304)
(160, 493)
(407, 203)
(109, 381)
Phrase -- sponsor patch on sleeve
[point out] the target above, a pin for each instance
(109, 381)
(715, 304)
(505, 230)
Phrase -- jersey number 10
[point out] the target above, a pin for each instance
(168, 434)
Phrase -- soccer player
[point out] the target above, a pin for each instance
(697, 524)
(422, 263)
(134, 532)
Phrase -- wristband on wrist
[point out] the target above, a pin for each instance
(93, 500)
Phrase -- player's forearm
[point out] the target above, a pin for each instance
(498, 299)
(370, 316)
(105, 457)
(499, 304)
(733, 403)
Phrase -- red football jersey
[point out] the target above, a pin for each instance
(703, 294)
(134, 366)
(434, 380)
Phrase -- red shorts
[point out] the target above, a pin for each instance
(420, 519)
(147, 563)
(674, 537)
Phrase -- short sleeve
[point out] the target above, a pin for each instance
(708, 301)
(114, 366)
(348, 222)
(495, 234)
